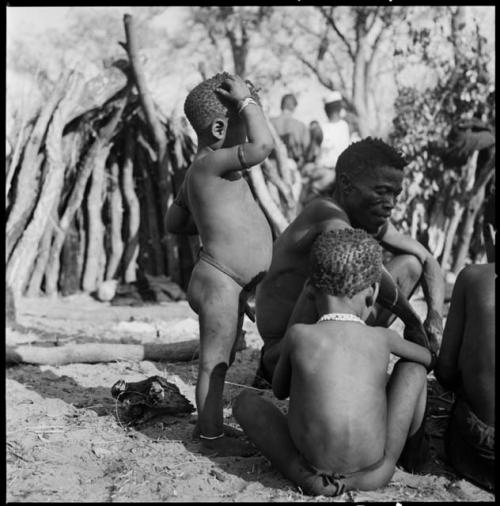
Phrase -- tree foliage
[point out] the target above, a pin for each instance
(462, 89)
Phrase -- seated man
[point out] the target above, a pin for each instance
(347, 427)
(369, 179)
(466, 365)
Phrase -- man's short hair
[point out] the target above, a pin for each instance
(203, 104)
(289, 102)
(346, 261)
(365, 155)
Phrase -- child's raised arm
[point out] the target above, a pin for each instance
(410, 351)
(260, 142)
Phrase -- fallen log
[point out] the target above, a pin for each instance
(94, 353)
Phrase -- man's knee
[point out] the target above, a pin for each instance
(244, 406)
(413, 268)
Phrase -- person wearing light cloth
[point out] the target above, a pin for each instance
(347, 425)
(216, 202)
(466, 365)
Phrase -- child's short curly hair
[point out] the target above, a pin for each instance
(344, 262)
(363, 156)
(203, 104)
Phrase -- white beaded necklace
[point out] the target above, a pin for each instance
(341, 317)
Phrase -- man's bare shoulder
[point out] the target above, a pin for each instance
(324, 209)
(475, 274)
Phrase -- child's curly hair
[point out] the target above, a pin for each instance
(362, 156)
(344, 262)
(203, 104)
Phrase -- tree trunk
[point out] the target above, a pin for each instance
(75, 198)
(115, 202)
(95, 227)
(133, 211)
(24, 254)
(27, 181)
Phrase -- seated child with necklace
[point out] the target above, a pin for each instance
(347, 425)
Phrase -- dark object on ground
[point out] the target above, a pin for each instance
(152, 397)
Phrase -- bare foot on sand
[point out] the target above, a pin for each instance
(230, 445)
(226, 446)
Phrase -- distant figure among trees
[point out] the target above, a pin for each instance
(293, 133)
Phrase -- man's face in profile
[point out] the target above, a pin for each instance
(373, 196)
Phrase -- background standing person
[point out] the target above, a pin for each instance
(293, 133)
(466, 365)
(336, 134)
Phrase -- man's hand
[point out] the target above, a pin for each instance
(433, 326)
(234, 89)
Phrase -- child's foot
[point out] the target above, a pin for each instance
(226, 447)
(228, 432)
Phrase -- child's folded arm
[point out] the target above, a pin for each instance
(408, 350)
(282, 372)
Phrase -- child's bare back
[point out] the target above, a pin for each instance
(337, 413)
(347, 426)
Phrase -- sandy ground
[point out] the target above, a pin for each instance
(65, 441)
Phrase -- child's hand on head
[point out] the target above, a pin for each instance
(234, 89)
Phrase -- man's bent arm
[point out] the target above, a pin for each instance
(432, 279)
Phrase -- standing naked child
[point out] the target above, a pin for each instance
(216, 202)
(347, 426)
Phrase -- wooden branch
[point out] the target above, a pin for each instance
(133, 207)
(26, 187)
(140, 82)
(76, 196)
(24, 254)
(163, 165)
(115, 201)
(271, 210)
(331, 22)
(93, 353)
(325, 82)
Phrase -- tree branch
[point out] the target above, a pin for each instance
(331, 22)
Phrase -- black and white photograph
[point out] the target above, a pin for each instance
(250, 253)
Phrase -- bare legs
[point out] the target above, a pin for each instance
(267, 428)
(216, 299)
